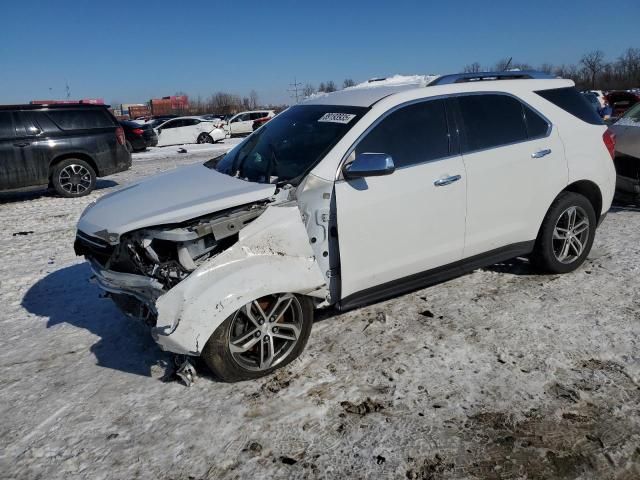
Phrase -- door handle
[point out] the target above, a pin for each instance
(441, 182)
(541, 153)
(21, 144)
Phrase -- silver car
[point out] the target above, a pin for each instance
(627, 131)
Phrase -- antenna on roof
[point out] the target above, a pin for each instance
(506, 67)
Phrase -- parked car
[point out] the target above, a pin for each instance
(347, 199)
(259, 122)
(621, 101)
(139, 137)
(242, 123)
(65, 146)
(158, 120)
(627, 132)
(188, 130)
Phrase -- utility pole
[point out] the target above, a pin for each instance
(295, 91)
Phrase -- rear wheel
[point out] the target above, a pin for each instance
(566, 235)
(205, 138)
(260, 337)
(73, 178)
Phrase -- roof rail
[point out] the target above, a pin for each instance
(484, 76)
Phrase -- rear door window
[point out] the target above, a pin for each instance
(85, 119)
(413, 134)
(491, 120)
(7, 127)
(537, 126)
(572, 102)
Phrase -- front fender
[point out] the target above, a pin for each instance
(272, 255)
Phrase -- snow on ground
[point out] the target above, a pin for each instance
(498, 374)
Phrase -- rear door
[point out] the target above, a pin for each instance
(411, 221)
(34, 148)
(242, 124)
(515, 167)
(12, 171)
(169, 132)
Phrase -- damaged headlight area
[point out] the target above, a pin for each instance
(168, 254)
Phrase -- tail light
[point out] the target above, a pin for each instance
(120, 135)
(609, 139)
(137, 131)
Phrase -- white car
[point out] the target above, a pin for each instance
(350, 198)
(242, 123)
(188, 130)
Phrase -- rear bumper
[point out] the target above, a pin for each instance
(121, 162)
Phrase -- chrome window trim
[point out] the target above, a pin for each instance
(350, 150)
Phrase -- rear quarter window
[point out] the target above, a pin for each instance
(572, 102)
(81, 119)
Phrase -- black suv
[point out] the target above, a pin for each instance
(65, 146)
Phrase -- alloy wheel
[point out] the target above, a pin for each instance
(75, 179)
(264, 332)
(571, 234)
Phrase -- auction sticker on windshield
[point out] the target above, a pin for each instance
(337, 117)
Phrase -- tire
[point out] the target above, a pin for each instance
(558, 238)
(204, 138)
(236, 366)
(128, 146)
(73, 177)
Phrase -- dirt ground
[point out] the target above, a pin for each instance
(499, 374)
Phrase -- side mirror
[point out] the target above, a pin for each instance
(369, 165)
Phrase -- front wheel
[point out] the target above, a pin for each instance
(205, 138)
(260, 337)
(566, 235)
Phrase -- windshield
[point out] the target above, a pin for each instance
(290, 145)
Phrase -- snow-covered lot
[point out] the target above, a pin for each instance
(498, 374)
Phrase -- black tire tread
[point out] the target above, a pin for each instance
(217, 357)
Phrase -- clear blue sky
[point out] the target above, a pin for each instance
(129, 51)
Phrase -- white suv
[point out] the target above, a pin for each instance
(242, 123)
(347, 199)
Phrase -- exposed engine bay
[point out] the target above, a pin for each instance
(170, 253)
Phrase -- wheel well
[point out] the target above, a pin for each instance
(591, 191)
(79, 156)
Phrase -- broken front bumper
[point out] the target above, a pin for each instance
(144, 289)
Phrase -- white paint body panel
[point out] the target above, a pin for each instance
(171, 197)
(188, 134)
(509, 192)
(400, 224)
(272, 255)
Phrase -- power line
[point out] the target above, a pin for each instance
(295, 91)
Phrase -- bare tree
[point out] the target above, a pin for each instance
(253, 99)
(502, 64)
(593, 63)
(308, 90)
(348, 82)
(472, 68)
(546, 68)
(322, 87)
(330, 87)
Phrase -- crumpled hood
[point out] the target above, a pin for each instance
(170, 197)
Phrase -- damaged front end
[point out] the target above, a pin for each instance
(147, 263)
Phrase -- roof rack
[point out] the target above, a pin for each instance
(485, 76)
